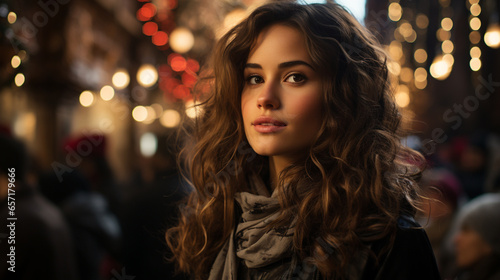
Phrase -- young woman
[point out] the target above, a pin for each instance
(297, 167)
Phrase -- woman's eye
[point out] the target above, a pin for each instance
(295, 78)
(253, 80)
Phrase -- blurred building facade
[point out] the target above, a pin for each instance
(445, 55)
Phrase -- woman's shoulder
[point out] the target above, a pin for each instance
(410, 257)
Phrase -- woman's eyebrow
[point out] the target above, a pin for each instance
(281, 65)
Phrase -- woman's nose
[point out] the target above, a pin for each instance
(268, 98)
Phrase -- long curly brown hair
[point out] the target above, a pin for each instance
(357, 178)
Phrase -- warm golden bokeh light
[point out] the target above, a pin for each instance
(140, 113)
(181, 40)
(443, 35)
(475, 10)
(420, 74)
(395, 11)
(107, 92)
(492, 36)
(421, 85)
(12, 17)
(449, 59)
(475, 64)
(422, 21)
(474, 37)
(447, 46)
(147, 75)
(192, 109)
(395, 50)
(406, 74)
(15, 61)
(475, 23)
(440, 69)
(475, 52)
(170, 118)
(447, 23)
(402, 96)
(121, 79)
(86, 98)
(405, 29)
(394, 67)
(420, 55)
(19, 79)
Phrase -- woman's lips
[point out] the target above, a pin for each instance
(268, 125)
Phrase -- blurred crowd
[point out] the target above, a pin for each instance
(461, 205)
(74, 221)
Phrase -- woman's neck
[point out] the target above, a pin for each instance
(276, 165)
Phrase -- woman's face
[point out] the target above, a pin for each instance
(470, 247)
(281, 102)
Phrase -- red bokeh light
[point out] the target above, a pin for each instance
(181, 92)
(172, 4)
(193, 65)
(160, 38)
(148, 10)
(141, 17)
(178, 64)
(189, 79)
(171, 56)
(150, 28)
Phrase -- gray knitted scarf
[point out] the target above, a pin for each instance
(251, 242)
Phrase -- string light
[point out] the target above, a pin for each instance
(420, 56)
(12, 17)
(395, 11)
(15, 61)
(19, 79)
(474, 36)
(475, 23)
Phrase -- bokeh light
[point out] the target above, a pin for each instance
(178, 64)
(170, 118)
(420, 55)
(150, 28)
(15, 61)
(402, 96)
(147, 75)
(160, 38)
(148, 144)
(475, 52)
(140, 113)
(422, 21)
(121, 79)
(86, 98)
(395, 11)
(440, 69)
(492, 36)
(12, 17)
(181, 40)
(107, 92)
(475, 23)
(447, 23)
(475, 64)
(19, 79)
